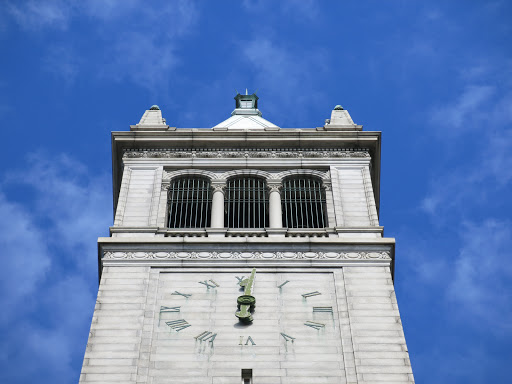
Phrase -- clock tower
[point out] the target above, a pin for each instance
(246, 253)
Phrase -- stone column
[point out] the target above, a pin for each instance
(274, 204)
(217, 220)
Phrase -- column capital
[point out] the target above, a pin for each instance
(218, 185)
(274, 185)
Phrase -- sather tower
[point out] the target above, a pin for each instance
(246, 253)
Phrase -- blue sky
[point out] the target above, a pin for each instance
(435, 77)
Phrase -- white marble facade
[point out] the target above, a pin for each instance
(325, 310)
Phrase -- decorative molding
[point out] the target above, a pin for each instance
(117, 255)
(274, 186)
(218, 186)
(255, 153)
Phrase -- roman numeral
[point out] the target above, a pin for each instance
(306, 295)
(287, 337)
(178, 325)
(181, 294)
(169, 309)
(206, 335)
(247, 342)
(240, 279)
(208, 285)
(314, 325)
(281, 286)
(322, 309)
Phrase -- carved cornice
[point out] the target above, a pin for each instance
(117, 255)
(232, 153)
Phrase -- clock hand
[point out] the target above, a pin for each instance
(246, 301)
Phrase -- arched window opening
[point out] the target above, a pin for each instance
(246, 203)
(303, 203)
(190, 202)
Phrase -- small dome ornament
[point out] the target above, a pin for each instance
(338, 108)
(154, 107)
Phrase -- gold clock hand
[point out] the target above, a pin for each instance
(246, 302)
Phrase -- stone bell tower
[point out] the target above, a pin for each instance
(246, 253)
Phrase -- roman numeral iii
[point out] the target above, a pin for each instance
(178, 325)
(322, 309)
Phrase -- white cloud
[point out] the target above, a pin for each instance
(483, 272)
(466, 112)
(25, 258)
(35, 15)
(304, 9)
(49, 249)
(291, 76)
(138, 42)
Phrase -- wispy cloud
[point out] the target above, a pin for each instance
(303, 9)
(140, 46)
(282, 72)
(467, 111)
(483, 272)
(49, 267)
(35, 15)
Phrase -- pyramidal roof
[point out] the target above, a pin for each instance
(246, 116)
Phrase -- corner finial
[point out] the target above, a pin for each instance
(246, 92)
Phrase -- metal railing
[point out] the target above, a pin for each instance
(189, 202)
(246, 203)
(303, 203)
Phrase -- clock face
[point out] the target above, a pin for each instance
(295, 323)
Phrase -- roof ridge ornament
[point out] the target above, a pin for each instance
(246, 115)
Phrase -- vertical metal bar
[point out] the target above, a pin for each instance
(202, 208)
(171, 205)
(286, 192)
(228, 202)
(322, 201)
(196, 201)
(264, 195)
(244, 198)
(177, 216)
(186, 202)
(295, 204)
(260, 212)
(254, 202)
(239, 192)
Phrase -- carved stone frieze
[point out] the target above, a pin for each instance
(183, 255)
(231, 153)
